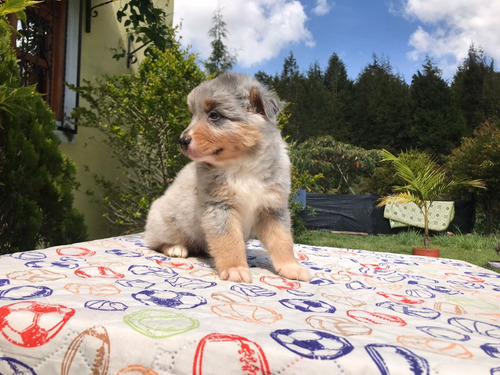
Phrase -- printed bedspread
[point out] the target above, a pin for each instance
(115, 307)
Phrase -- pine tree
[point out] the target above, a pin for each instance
(380, 108)
(221, 59)
(340, 90)
(436, 122)
(474, 90)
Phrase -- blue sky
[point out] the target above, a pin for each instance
(263, 32)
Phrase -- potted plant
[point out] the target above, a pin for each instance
(425, 182)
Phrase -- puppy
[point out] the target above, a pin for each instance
(237, 186)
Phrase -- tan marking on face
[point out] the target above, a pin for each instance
(208, 105)
(224, 145)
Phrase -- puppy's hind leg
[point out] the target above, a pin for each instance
(277, 238)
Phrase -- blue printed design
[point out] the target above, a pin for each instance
(492, 349)
(4, 282)
(410, 310)
(190, 283)
(135, 283)
(45, 264)
(444, 333)
(21, 293)
(29, 255)
(124, 253)
(104, 305)
(307, 305)
(249, 290)
(156, 271)
(15, 366)
(387, 358)
(169, 298)
(313, 344)
(476, 326)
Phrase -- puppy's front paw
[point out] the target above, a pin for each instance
(175, 251)
(295, 271)
(236, 274)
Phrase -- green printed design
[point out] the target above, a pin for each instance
(160, 324)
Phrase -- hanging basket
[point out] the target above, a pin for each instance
(433, 253)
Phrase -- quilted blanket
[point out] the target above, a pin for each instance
(441, 214)
(113, 306)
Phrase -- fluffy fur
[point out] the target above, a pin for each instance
(237, 186)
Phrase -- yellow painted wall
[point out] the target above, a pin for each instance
(87, 148)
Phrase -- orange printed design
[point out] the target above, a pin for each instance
(348, 301)
(341, 326)
(436, 346)
(229, 297)
(247, 313)
(95, 290)
(90, 347)
(31, 324)
(36, 275)
(449, 308)
(249, 358)
(136, 370)
(280, 282)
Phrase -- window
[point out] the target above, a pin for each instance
(48, 54)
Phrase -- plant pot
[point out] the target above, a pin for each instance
(433, 253)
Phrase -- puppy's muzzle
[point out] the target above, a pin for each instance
(184, 141)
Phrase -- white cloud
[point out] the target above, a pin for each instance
(321, 8)
(449, 27)
(258, 29)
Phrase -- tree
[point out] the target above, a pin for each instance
(475, 89)
(141, 117)
(36, 180)
(478, 157)
(340, 88)
(436, 122)
(146, 25)
(380, 108)
(425, 182)
(221, 59)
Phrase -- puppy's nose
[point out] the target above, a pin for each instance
(184, 142)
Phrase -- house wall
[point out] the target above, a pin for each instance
(87, 149)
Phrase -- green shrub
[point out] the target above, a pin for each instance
(478, 157)
(342, 165)
(141, 117)
(36, 180)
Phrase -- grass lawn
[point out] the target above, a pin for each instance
(471, 248)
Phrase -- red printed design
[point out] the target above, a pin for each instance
(375, 318)
(73, 251)
(401, 298)
(30, 324)
(173, 264)
(280, 282)
(100, 272)
(249, 358)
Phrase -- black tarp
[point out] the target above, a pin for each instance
(358, 213)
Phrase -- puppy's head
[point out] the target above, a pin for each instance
(231, 116)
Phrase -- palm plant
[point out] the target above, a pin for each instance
(425, 182)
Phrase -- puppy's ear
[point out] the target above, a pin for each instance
(265, 103)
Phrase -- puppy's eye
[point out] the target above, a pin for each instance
(214, 116)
